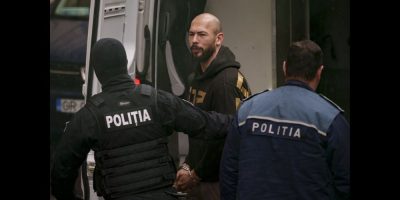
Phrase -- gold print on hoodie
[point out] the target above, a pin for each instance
(197, 96)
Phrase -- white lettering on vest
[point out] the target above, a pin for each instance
(109, 121)
(117, 120)
(141, 116)
(146, 116)
(272, 129)
(134, 113)
(255, 125)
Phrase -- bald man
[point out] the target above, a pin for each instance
(217, 85)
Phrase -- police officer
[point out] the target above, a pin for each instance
(288, 143)
(127, 127)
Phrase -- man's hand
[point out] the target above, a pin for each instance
(186, 179)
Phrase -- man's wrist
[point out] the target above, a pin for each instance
(195, 176)
(186, 167)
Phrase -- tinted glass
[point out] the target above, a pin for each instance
(73, 8)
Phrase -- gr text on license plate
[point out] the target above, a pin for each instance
(69, 105)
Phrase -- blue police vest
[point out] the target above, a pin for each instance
(283, 105)
(282, 137)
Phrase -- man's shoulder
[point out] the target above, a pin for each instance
(145, 89)
(331, 102)
(230, 75)
(95, 100)
(256, 94)
(252, 97)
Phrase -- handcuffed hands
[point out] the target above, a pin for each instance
(186, 179)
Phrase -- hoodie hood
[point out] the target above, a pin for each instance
(224, 59)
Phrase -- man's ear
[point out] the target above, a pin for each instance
(284, 67)
(319, 72)
(220, 39)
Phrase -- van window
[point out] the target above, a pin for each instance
(73, 8)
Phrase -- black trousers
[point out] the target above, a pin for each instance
(158, 194)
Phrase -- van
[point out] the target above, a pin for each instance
(68, 38)
(68, 35)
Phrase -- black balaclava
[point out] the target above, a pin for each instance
(108, 58)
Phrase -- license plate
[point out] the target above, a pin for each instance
(69, 105)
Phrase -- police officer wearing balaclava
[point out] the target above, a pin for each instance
(127, 128)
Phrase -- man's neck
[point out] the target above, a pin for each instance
(204, 65)
(313, 84)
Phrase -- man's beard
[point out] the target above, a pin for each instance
(207, 53)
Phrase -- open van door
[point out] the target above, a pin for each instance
(153, 33)
(120, 20)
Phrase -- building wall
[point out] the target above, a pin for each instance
(248, 31)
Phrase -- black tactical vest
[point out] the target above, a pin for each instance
(133, 153)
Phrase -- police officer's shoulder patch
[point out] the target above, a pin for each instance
(331, 102)
(145, 89)
(254, 95)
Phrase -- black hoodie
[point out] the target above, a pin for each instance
(220, 88)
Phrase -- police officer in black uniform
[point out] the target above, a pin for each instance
(127, 127)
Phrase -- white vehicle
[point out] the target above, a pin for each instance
(154, 33)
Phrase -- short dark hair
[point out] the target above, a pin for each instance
(303, 59)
